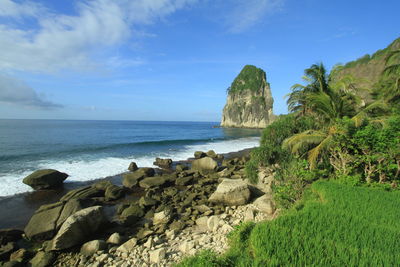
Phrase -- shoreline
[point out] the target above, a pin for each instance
(16, 210)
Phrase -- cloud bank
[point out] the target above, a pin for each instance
(15, 91)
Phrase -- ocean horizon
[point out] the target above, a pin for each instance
(93, 149)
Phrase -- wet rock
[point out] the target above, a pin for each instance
(163, 163)
(132, 167)
(43, 259)
(91, 247)
(212, 154)
(153, 181)
(45, 179)
(78, 228)
(83, 193)
(102, 185)
(205, 164)
(232, 192)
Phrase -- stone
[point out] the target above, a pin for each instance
(78, 228)
(176, 226)
(102, 185)
(226, 228)
(249, 104)
(13, 264)
(132, 167)
(231, 192)
(131, 214)
(202, 222)
(213, 222)
(45, 179)
(212, 154)
(249, 215)
(114, 192)
(204, 164)
(265, 204)
(43, 259)
(45, 222)
(180, 167)
(132, 179)
(153, 182)
(202, 208)
(10, 235)
(20, 255)
(147, 201)
(156, 256)
(115, 239)
(199, 154)
(163, 163)
(83, 193)
(184, 180)
(90, 248)
(162, 217)
(186, 246)
(127, 246)
(6, 250)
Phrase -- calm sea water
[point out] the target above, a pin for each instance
(88, 150)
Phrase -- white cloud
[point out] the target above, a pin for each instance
(246, 13)
(69, 42)
(15, 91)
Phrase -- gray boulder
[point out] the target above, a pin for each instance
(163, 163)
(153, 181)
(231, 192)
(212, 154)
(45, 222)
(91, 247)
(132, 167)
(132, 179)
(265, 204)
(78, 228)
(114, 192)
(205, 164)
(45, 179)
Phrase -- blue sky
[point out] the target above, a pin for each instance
(171, 59)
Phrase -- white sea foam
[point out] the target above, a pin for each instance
(83, 170)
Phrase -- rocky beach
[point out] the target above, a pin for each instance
(144, 217)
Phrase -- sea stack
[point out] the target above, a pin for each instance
(249, 103)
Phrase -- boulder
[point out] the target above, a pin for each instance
(83, 193)
(128, 245)
(20, 255)
(156, 181)
(91, 247)
(231, 192)
(114, 192)
(45, 222)
(10, 235)
(184, 180)
(132, 167)
(156, 256)
(115, 239)
(43, 259)
(265, 204)
(132, 179)
(131, 214)
(212, 154)
(199, 154)
(147, 201)
(45, 179)
(163, 163)
(205, 164)
(162, 217)
(13, 264)
(78, 228)
(213, 222)
(102, 185)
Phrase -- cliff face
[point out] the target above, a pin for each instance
(366, 70)
(249, 103)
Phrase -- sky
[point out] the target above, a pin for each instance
(171, 60)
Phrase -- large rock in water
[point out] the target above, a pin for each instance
(231, 192)
(249, 103)
(45, 179)
(78, 228)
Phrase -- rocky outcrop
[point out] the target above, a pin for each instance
(45, 179)
(249, 103)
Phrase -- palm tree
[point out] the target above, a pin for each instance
(392, 71)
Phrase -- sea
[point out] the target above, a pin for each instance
(89, 150)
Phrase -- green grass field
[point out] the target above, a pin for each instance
(339, 226)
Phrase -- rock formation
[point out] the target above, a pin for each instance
(249, 103)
